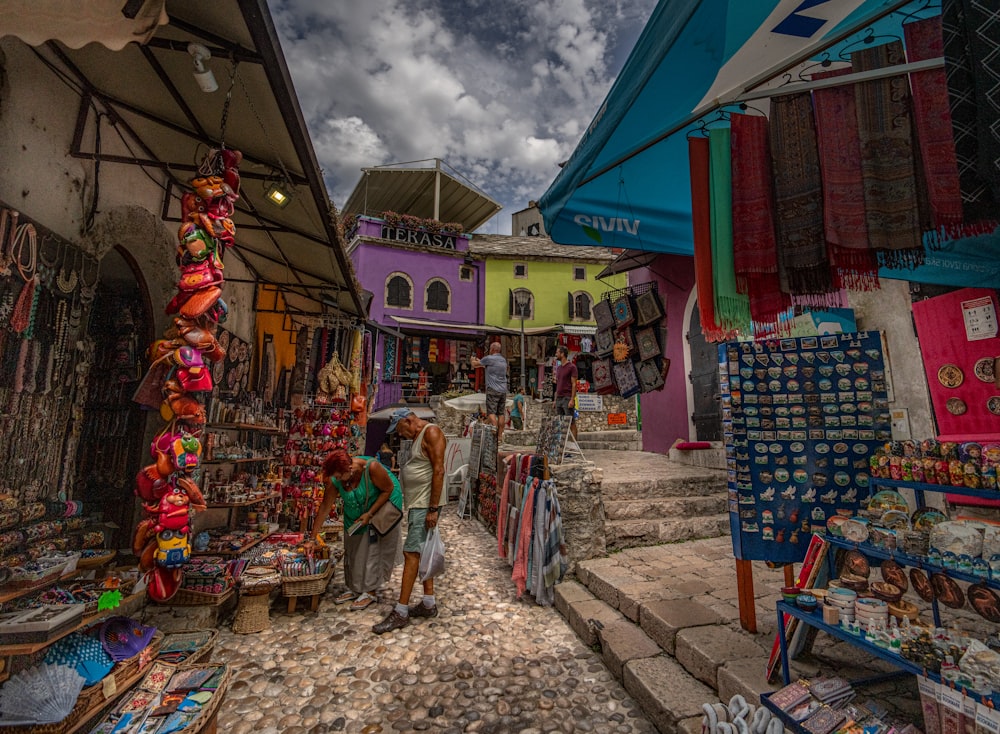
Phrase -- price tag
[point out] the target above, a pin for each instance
(951, 698)
(988, 718)
(109, 687)
(980, 318)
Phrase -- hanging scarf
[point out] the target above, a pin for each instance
(732, 308)
(755, 254)
(845, 226)
(802, 262)
(932, 120)
(887, 163)
(701, 220)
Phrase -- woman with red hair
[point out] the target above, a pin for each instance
(364, 485)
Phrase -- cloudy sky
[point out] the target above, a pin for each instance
(499, 89)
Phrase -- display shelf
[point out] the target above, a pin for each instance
(248, 503)
(245, 460)
(990, 494)
(906, 559)
(244, 427)
(236, 552)
(9, 594)
(815, 619)
(27, 648)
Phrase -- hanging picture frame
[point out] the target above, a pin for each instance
(603, 381)
(626, 378)
(623, 311)
(647, 343)
(604, 342)
(650, 375)
(602, 315)
(648, 308)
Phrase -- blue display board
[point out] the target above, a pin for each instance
(801, 418)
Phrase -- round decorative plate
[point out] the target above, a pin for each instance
(888, 499)
(834, 523)
(985, 601)
(895, 520)
(947, 591)
(950, 375)
(956, 406)
(984, 369)
(926, 517)
(993, 405)
(855, 531)
(921, 584)
(856, 563)
(893, 573)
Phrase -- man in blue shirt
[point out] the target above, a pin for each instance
(496, 387)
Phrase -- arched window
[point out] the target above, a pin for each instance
(522, 300)
(580, 304)
(399, 291)
(438, 296)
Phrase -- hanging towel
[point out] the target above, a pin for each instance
(732, 308)
(701, 219)
(802, 263)
(755, 255)
(887, 162)
(932, 120)
(508, 476)
(523, 546)
(845, 224)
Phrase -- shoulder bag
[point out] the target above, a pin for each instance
(387, 516)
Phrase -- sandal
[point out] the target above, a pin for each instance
(362, 602)
(345, 597)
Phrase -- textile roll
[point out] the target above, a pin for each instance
(701, 219)
(755, 255)
(845, 226)
(802, 263)
(887, 162)
(932, 120)
(732, 308)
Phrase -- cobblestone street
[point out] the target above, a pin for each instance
(487, 663)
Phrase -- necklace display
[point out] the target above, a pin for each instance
(66, 280)
(8, 226)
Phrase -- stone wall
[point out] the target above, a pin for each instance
(579, 487)
(588, 420)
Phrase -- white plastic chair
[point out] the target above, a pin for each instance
(456, 481)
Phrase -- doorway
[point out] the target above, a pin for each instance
(704, 377)
(113, 436)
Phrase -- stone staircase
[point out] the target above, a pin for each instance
(610, 440)
(649, 499)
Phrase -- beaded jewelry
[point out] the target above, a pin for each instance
(46, 268)
(88, 290)
(26, 232)
(66, 282)
(8, 227)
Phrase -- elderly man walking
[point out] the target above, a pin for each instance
(497, 370)
(423, 482)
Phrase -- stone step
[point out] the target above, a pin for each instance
(639, 532)
(617, 436)
(609, 446)
(680, 482)
(665, 507)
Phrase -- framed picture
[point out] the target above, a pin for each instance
(647, 344)
(648, 308)
(602, 315)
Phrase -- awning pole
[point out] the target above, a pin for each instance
(838, 81)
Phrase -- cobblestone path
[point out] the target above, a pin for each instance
(488, 663)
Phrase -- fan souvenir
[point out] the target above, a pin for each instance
(124, 638)
(42, 695)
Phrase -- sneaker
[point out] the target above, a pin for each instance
(394, 621)
(362, 602)
(422, 610)
(345, 597)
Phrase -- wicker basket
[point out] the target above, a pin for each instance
(96, 561)
(91, 700)
(202, 654)
(306, 585)
(252, 614)
(189, 598)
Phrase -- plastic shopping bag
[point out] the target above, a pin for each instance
(431, 556)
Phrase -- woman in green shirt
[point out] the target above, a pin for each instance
(364, 485)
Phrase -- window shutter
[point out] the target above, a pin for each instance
(510, 303)
(571, 315)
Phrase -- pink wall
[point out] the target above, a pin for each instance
(665, 413)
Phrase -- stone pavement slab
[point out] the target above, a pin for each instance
(489, 663)
(662, 620)
(622, 642)
(703, 650)
(665, 691)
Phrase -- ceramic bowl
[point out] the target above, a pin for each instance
(807, 602)
(903, 609)
(789, 593)
(886, 592)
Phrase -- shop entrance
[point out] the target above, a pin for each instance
(704, 376)
(113, 438)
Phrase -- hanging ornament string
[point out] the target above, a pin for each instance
(66, 282)
(88, 290)
(8, 227)
(25, 233)
(225, 105)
